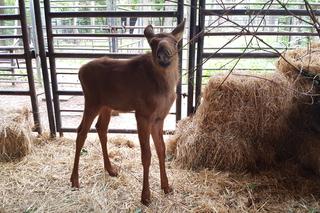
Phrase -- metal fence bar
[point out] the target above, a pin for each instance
(44, 68)
(11, 56)
(64, 92)
(80, 110)
(180, 17)
(9, 17)
(113, 14)
(14, 92)
(125, 131)
(27, 54)
(192, 51)
(96, 35)
(201, 27)
(91, 55)
(10, 36)
(242, 55)
(52, 62)
(270, 12)
(21, 75)
(262, 33)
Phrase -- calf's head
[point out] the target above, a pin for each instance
(164, 46)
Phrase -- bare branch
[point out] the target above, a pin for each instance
(315, 24)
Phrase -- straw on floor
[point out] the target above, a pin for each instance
(40, 183)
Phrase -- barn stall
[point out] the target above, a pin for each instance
(247, 140)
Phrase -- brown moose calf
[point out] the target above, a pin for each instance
(144, 84)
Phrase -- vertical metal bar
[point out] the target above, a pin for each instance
(52, 66)
(114, 40)
(191, 62)
(44, 67)
(179, 87)
(201, 20)
(12, 64)
(35, 42)
(27, 55)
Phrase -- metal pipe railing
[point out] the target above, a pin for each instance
(28, 58)
(44, 68)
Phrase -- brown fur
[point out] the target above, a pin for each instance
(144, 84)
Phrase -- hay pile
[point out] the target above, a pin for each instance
(302, 68)
(251, 122)
(294, 63)
(238, 126)
(15, 134)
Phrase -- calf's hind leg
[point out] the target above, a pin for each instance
(88, 116)
(102, 128)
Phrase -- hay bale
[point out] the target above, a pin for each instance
(294, 62)
(250, 122)
(297, 65)
(183, 131)
(308, 152)
(238, 126)
(15, 135)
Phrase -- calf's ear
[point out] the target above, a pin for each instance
(178, 31)
(148, 32)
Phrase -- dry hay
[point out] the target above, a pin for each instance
(294, 62)
(184, 130)
(295, 65)
(238, 126)
(308, 152)
(15, 134)
(122, 141)
(249, 122)
(40, 183)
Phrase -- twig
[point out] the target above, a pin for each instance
(291, 13)
(231, 40)
(316, 24)
(244, 51)
(288, 88)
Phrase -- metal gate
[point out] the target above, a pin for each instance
(27, 55)
(219, 23)
(59, 54)
(213, 23)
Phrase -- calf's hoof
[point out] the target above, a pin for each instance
(145, 198)
(146, 202)
(167, 190)
(74, 182)
(113, 172)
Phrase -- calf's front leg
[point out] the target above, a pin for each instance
(157, 135)
(143, 124)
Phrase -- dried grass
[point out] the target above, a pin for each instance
(15, 134)
(306, 59)
(183, 131)
(249, 123)
(306, 117)
(308, 152)
(238, 126)
(40, 183)
(122, 141)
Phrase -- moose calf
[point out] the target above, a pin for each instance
(145, 84)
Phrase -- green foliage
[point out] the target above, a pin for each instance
(161, 4)
(10, 2)
(134, 2)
